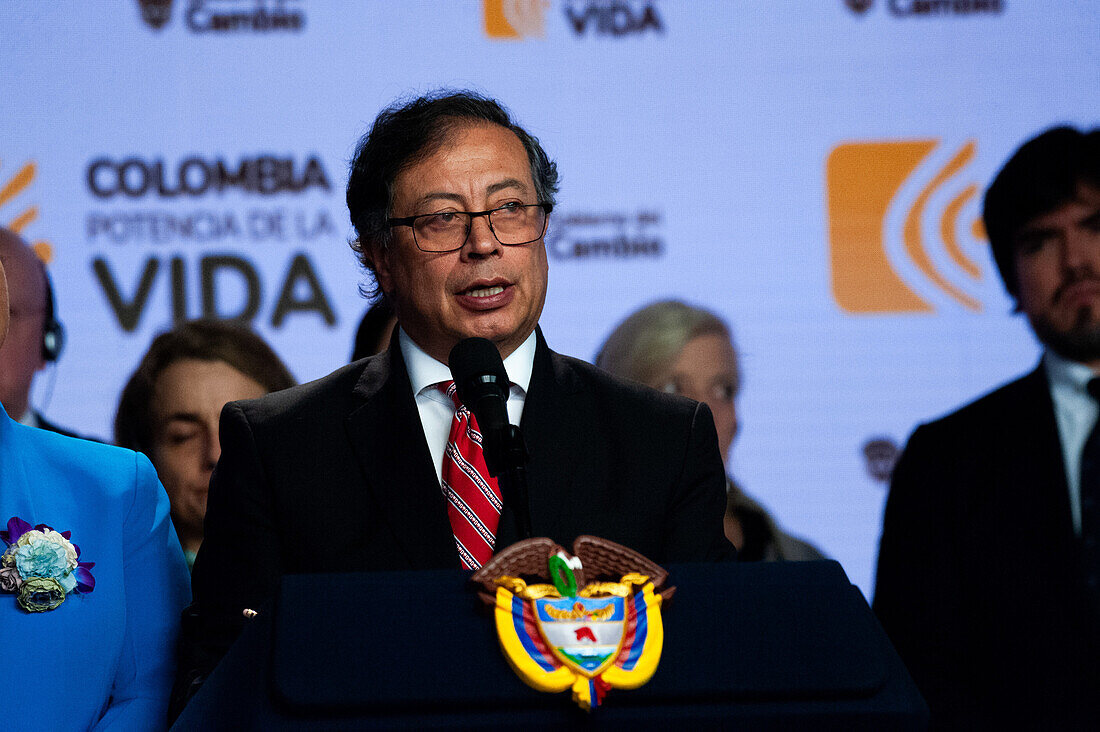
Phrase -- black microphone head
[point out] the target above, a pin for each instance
(477, 368)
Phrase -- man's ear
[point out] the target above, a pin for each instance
(376, 256)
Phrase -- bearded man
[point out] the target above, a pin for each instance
(989, 564)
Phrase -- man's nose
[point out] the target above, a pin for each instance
(481, 242)
(1081, 251)
(213, 451)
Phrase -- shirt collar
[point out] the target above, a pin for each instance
(1066, 377)
(425, 371)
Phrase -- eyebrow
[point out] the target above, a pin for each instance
(182, 417)
(490, 190)
(506, 183)
(1032, 230)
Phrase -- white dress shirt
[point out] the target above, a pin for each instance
(1075, 412)
(436, 408)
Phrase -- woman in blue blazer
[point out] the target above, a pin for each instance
(105, 656)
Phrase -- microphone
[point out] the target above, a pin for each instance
(483, 386)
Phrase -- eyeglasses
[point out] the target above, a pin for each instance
(512, 224)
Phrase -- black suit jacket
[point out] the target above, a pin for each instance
(336, 476)
(978, 581)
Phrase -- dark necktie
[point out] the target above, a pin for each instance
(473, 498)
(1090, 500)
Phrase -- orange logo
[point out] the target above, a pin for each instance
(515, 19)
(9, 190)
(883, 204)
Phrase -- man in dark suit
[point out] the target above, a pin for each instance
(986, 571)
(450, 200)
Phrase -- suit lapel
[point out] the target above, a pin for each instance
(388, 441)
(551, 468)
(1043, 457)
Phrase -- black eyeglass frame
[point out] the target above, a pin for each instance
(410, 220)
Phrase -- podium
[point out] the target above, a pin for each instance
(748, 646)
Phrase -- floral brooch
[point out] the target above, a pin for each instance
(41, 566)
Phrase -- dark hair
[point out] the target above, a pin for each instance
(1039, 177)
(203, 340)
(374, 330)
(408, 131)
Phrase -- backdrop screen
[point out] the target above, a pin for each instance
(812, 172)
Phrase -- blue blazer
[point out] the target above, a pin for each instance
(104, 659)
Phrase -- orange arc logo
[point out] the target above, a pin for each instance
(515, 19)
(9, 190)
(863, 182)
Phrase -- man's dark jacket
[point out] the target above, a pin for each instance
(336, 476)
(979, 583)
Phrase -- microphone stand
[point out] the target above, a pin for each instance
(508, 464)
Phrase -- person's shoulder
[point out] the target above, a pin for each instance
(61, 448)
(793, 549)
(95, 468)
(46, 424)
(960, 448)
(616, 391)
(329, 392)
(1000, 407)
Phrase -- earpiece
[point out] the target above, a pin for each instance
(53, 333)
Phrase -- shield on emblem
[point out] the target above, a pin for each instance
(584, 633)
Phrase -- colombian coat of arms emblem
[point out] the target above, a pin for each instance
(594, 626)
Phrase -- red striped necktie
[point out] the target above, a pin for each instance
(473, 497)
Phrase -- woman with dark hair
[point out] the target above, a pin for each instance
(170, 408)
(685, 350)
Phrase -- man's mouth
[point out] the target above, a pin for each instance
(1081, 289)
(487, 295)
(484, 291)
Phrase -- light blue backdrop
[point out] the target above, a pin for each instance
(693, 140)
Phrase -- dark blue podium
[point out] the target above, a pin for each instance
(748, 646)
